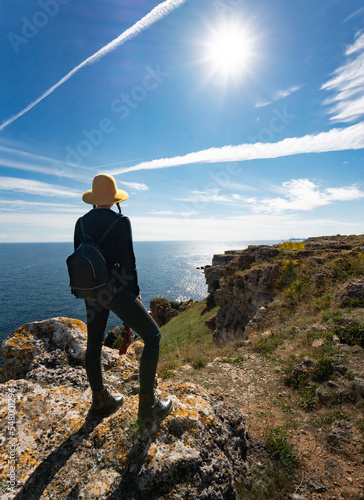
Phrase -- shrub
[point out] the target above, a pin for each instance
(348, 265)
(296, 379)
(308, 396)
(168, 372)
(289, 271)
(199, 363)
(350, 332)
(324, 369)
(294, 278)
(281, 450)
(306, 388)
(239, 360)
(266, 345)
(292, 245)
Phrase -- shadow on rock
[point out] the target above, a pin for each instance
(38, 481)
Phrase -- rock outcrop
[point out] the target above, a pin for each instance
(241, 294)
(351, 293)
(244, 284)
(163, 310)
(197, 452)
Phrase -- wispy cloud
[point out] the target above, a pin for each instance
(138, 186)
(210, 196)
(357, 12)
(154, 15)
(338, 139)
(35, 203)
(303, 194)
(358, 45)
(280, 94)
(23, 160)
(347, 83)
(37, 208)
(174, 213)
(36, 187)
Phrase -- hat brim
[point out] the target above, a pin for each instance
(99, 199)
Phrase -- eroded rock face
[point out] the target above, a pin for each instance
(163, 310)
(240, 298)
(198, 451)
(351, 292)
(240, 289)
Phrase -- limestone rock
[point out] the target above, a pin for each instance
(240, 298)
(34, 339)
(256, 253)
(351, 291)
(213, 274)
(223, 259)
(306, 365)
(340, 433)
(255, 278)
(312, 485)
(112, 336)
(338, 392)
(198, 451)
(323, 276)
(164, 310)
(332, 467)
(321, 243)
(359, 383)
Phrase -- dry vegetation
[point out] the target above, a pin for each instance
(311, 422)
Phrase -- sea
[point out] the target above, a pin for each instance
(34, 283)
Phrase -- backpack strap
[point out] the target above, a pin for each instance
(109, 229)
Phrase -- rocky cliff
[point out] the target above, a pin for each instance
(248, 284)
(163, 310)
(51, 449)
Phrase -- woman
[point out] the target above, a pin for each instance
(124, 300)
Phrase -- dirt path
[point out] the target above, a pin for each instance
(327, 470)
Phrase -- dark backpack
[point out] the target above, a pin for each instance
(87, 267)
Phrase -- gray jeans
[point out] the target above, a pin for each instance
(133, 313)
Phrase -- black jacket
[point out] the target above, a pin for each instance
(117, 246)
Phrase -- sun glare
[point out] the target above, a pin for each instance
(230, 51)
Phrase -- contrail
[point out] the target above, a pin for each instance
(154, 15)
(337, 139)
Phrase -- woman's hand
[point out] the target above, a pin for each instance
(139, 297)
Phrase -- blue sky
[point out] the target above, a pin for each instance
(225, 120)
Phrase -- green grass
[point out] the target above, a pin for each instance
(350, 332)
(281, 450)
(186, 339)
(266, 345)
(329, 418)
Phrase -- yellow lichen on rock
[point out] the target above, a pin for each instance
(63, 453)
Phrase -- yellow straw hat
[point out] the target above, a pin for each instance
(104, 191)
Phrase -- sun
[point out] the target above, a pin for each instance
(230, 51)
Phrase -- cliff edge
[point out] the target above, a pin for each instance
(250, 284)
(51, 449)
